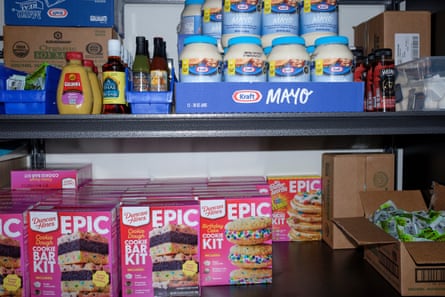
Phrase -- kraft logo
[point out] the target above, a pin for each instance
(57, 13)
(247, 96)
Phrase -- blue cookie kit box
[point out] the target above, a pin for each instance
(65, 13)
(269, 97)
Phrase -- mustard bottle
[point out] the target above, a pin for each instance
(74, 94)
(95, 86)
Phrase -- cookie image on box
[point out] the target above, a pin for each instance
(251, 276)
(172, 249)
(249, 231)
(82, 257)
(251, 256)
(305, 217)
(9, 267)
(252, 251)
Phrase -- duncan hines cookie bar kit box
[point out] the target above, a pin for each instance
(236, 240)
(13, 270)
(344, 176)
(72, 251)
(296, 204)
(413, 268)
(160, 250)
(54, 176)
(65, 13)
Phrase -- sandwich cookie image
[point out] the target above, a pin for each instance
(251, 254)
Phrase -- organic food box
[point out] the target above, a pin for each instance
(412, 268)
(296, 204)
(160, 248)
(60, 13)
(236, 239)
(27, 47)
(14, 272)
(407, 33)
(344, 175)
(73, 250)
(53, 176)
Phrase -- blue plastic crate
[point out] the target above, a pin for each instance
(150, 102)
(5, 73)
(34, 102)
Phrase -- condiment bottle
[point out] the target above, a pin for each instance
(141, 67)
(95, 86)
(370, 102)
(74, 94)
(384, 81)
(159, 67)
(114, 81)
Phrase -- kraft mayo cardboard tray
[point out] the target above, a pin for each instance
(223, 97)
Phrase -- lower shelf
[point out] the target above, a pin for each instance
(312, 269)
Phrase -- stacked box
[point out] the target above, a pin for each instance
(236, 239)
(53, 176)
(73, 250)
(159, 243)
(296, 203)
(13, 269)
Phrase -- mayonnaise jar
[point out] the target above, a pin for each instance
(318, 19)
(245, 60)
(289, 61)
(332, 60)
(200, 60)
(279, 17)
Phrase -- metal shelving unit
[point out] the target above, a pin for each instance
(220, 125)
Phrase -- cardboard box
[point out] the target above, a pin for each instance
(236, 239)
(296, 206)
(268, 97)
(160, 248)
(407, 33)
(412, 268)
(73, 249)
(344, 176)
(54, 176)
(26, 48)
(63, 13)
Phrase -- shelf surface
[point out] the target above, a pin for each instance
(220, 125)
(312, 269)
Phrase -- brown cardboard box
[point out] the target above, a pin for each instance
(407, 33)
(25, 48)
(344, 176)
(412, 268)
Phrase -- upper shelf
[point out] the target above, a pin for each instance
(220, 125)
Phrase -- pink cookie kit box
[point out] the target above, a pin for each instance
(54, 176)
(236, 240)
(160, 250)
(296, 202)
(13, 270)
(72, 250)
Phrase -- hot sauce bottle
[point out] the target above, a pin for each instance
(384, 81)
(159, 67)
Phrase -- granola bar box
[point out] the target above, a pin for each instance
(159, 243)
(72, 250)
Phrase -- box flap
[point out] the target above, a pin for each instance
(426, 253)
(438, 197)
(363, 232)
(407, 200)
